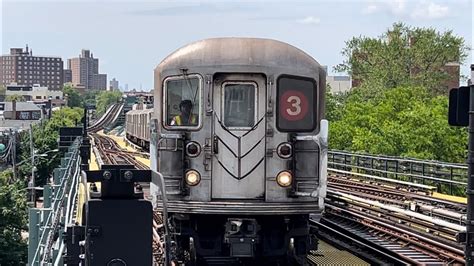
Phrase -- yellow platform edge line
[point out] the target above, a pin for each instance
(450, 198)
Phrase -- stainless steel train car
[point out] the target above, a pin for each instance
(137, 127)
(239, 135)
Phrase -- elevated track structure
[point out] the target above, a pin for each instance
(384, 209)
(108, 119)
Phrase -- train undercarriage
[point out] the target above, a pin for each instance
(144, 144)
(241, 240)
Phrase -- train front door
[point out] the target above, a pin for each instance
(238, 167)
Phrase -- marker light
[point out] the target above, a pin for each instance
(285, 150)
(192, 177)
(193, 149)
(284, 179)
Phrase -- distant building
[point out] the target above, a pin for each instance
(114, 85)
(454, 72)
(85, 71)
(67, 74)
(22, 68)
(339, 84)
(34, 93)
(140, 97)
(20, 111)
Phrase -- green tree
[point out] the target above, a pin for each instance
(45, 139)
(403, 121)
(90, 96)
(105, 98)
(404, 56)
(14, 97)
(73, 97)
(13, 220)
(2, 90)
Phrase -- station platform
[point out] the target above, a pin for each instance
(450, 198)
(329, 255)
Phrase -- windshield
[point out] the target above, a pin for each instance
(182, 102)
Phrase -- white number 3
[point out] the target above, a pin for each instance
(295, 104)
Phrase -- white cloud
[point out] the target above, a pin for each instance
(309, 20)
(370, 9)
(397, 7)
(421, 9)
(430, 11)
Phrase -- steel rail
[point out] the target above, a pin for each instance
(436, 248)
(360, 242)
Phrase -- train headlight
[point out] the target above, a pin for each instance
(192, 177)
(193, 149)
(285, 150)
(284, 179)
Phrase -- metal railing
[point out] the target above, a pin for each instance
(46, 224)
(449, 178)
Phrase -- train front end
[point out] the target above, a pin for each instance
(239, 137)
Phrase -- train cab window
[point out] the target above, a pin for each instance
(296, 109)
(183, 102)
(239, 105)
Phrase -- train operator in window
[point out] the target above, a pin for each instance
(186, 118)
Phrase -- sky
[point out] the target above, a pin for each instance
(130, 38)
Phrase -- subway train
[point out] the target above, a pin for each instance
(239, 135)
(137, 128)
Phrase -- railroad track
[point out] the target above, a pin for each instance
(384, 225)
(109, 117)
(395, 224)
(453, 212)
(111, 153)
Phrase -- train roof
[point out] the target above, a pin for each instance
(222, 53)
(144, 111)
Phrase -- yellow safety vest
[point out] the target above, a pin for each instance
(178, 121)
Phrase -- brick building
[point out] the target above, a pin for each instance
(85, 71)
(22, 68)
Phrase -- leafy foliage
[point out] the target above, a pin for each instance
(403, 121)
(45, 137)
(13, 209)
(90, 96)
(13, 220)
(404, 56)
(73, 97)
(400, 106)
(106, 98)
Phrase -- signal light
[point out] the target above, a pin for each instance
(285, 150)
(193, 149)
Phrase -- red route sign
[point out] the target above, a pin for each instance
(293, 105)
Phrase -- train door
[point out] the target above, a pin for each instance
(238, 168)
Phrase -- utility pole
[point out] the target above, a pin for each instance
(461, 113)
(13, 152)
(469, 250)
(32, 149)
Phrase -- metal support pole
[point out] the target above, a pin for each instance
(33, 234)
(33, 183)
(46, 196)
(469, 250)
(13, 152)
